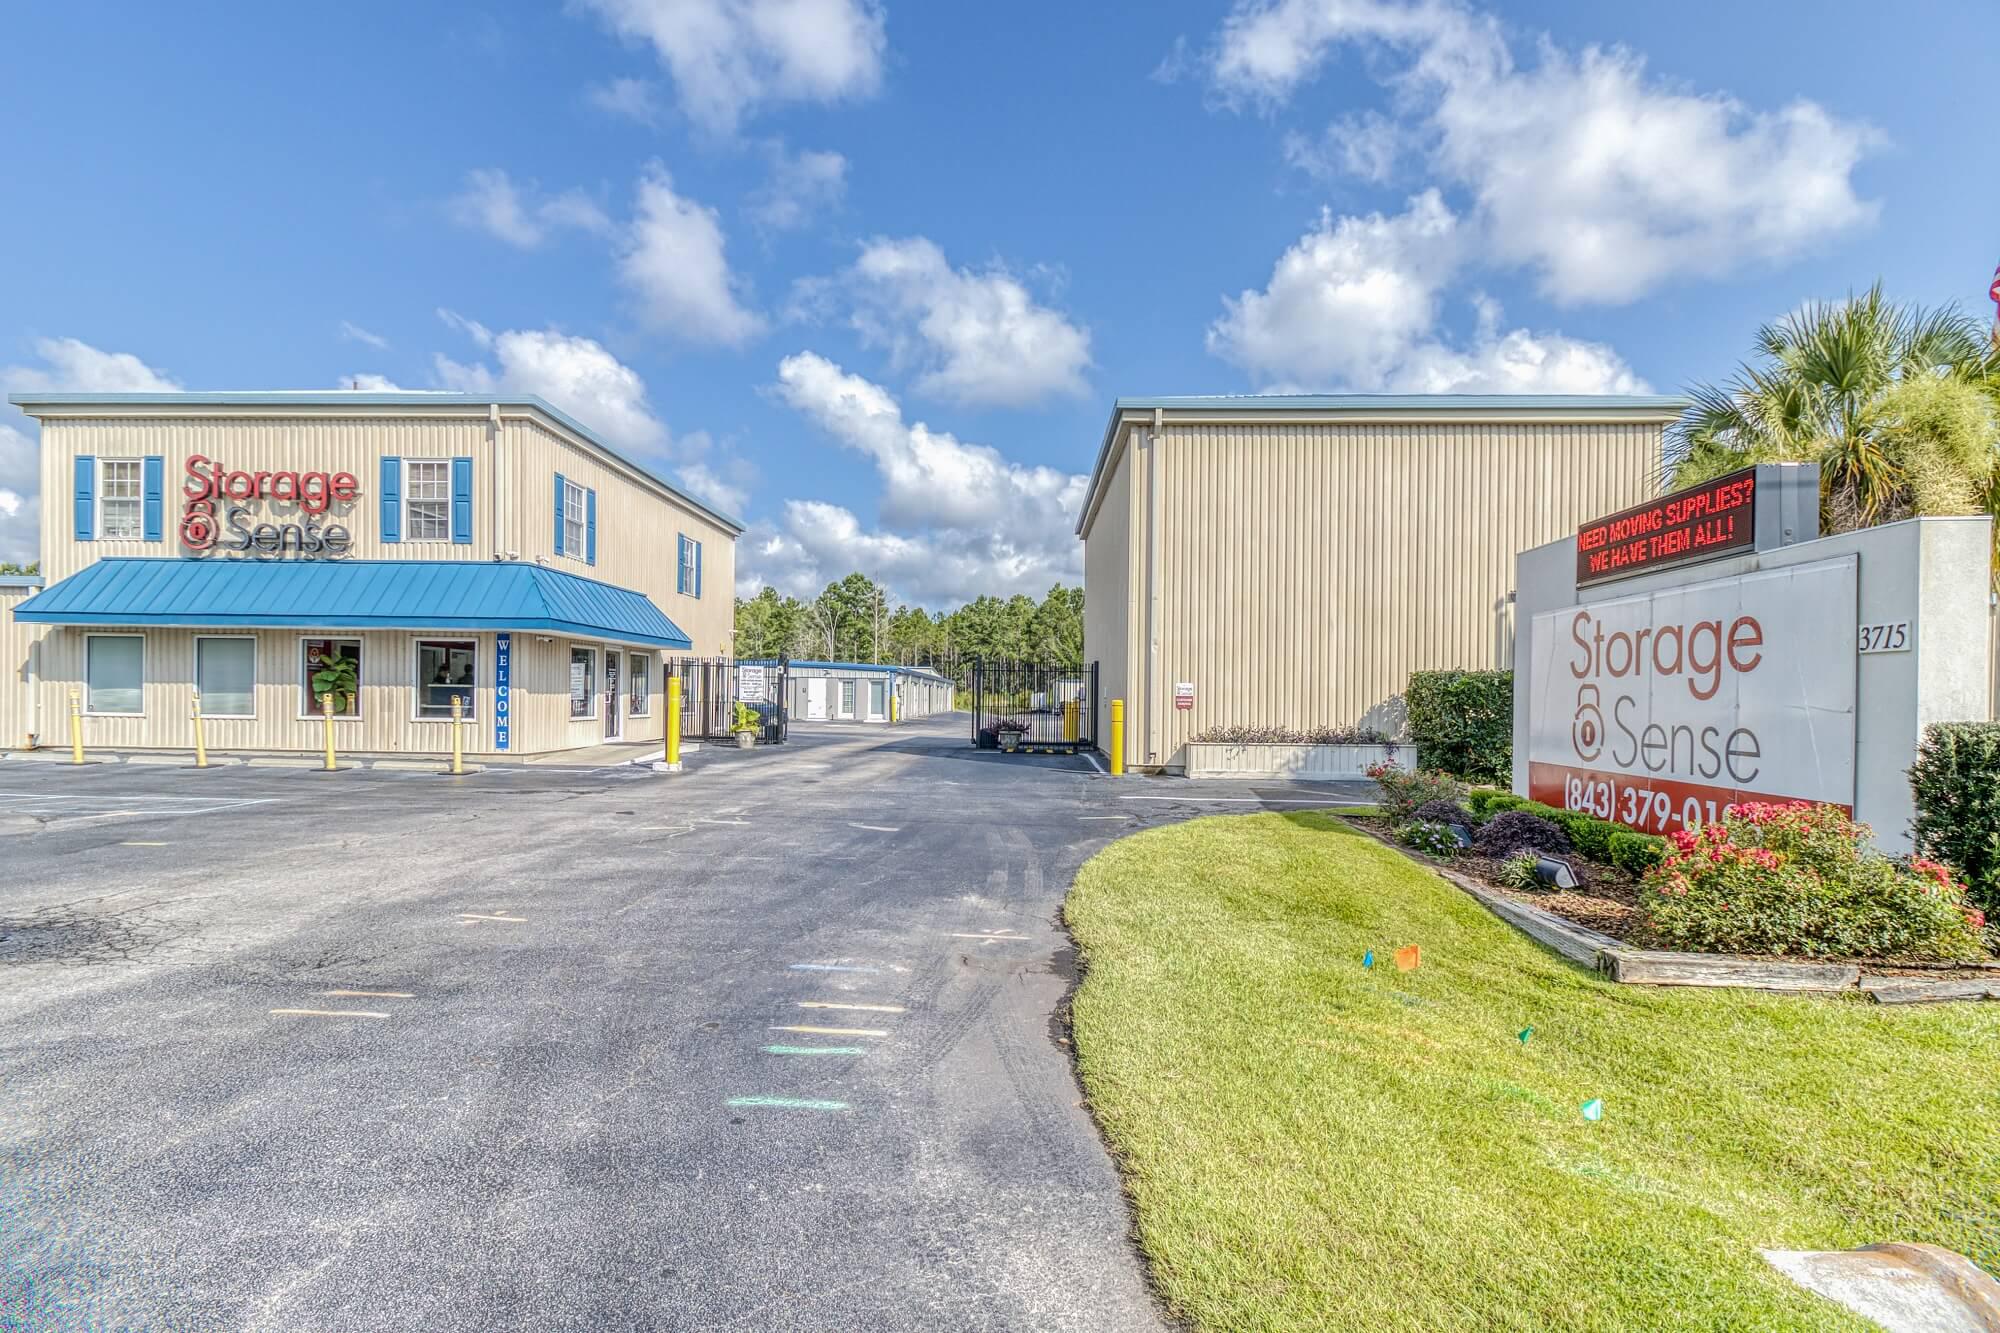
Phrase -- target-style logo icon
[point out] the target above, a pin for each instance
(1586, 733)
(198, 531)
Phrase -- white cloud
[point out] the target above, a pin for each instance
(355, 333)
(1354, 305)
(521, 215)
(673, 261)
(1363, 146)
(801, 185)
(67, 365)
(959, 519)
(701, 480)
(1604, 182)
(728, 57)
(974, 337)
(574, 374)
(632, 99)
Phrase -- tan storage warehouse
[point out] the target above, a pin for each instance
(1290, 560)
(438, 544)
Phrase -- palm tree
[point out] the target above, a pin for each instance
(1897, 404)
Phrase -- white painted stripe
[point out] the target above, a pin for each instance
(467, 918)
(873, 828)
(870, 1008)
(368, 994)
(830, 1032)
(1094, 764)
(142, 844)
(332, 1013)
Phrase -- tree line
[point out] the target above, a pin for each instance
(855, 620)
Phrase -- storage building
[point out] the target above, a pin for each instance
(262, 548)
(865, 692)
(1289, 560)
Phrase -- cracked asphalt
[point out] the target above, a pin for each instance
(529, 1085)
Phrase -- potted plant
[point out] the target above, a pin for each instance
(1009, 731)
(339, 676)
(746, 726)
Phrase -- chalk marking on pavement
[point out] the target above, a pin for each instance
(467, 918)
(870, 1008)
(788, 1103)
(829, 1032)
(873, 828)
(368, 994)
(332, 1013)
(832, 967)
(815, 1050)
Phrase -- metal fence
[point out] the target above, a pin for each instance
(711, 687)
(1033, 706)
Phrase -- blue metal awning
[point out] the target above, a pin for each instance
(350, 594)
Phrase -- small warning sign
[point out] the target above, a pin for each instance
(1184, 695)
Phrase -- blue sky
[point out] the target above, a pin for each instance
(871, 274)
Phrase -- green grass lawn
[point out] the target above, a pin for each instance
(1311, 1144)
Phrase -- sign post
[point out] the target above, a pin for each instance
(326, 724)
(457, 736)
(200, 741)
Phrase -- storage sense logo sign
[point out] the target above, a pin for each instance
(215, 497)
(1666, 708)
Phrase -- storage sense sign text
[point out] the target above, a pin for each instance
(216, 511)
(1665, 709)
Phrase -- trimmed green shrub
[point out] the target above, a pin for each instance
(1803, 880)
(1504, 800)
(1956, 782)
(1635, 853)
(1403, 792)
(1430, 838)
(1463, 722)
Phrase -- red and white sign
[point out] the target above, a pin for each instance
(214, 495)
(1184, 695)
(1666, 708)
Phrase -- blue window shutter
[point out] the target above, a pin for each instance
(461, 501)
(559, 513)
(86, 497)
(697, 569)
(153, 473)
(681, 566)
(590, 527)
(392, 499)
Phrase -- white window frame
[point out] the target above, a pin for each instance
(687, 578)
(88, 711)
(591, 709)
(410, 498)
(250, 639)
(848, 696)
(576, 546)
(417, 686)
(638, 666)
(103, 530)
(360, 676)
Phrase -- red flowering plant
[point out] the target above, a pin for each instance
(1403, 791)
(1799, 879)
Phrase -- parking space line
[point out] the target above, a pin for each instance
(832, 967)
(815, 1050)
(332, 1013)
(789, 1103)
(829, 1032)
(467, 918)
(368, 994)
(873, 828)
(869, 1008)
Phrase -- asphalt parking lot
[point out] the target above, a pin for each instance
(769, 1044)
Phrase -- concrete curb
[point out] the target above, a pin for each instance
(1904, 1288)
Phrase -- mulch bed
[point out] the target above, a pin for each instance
(1609, 902)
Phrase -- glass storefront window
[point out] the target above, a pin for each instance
(338, 661)
(225, 671)
(114, 673)
(582, 682)
(445, 667)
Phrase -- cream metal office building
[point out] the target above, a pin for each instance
(262, 547)
(1290, 560)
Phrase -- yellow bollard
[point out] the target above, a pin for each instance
(200, 740)
(326, 721)
(1069, 720)
(895, 707)
(457, 738)
(1117, 738)
(673, 721)
(75, 725)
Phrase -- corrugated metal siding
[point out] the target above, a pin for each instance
(540, 697)
(1307, 570)
(17, 644)
(637, 530)
(250, 444)
(1110, 614)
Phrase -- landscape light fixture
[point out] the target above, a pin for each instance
(1552, 873)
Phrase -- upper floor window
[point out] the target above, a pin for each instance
(574, 498)
(120, 492)
(689, 582)
(427, 499)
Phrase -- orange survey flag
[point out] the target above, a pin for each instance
(1408, 957)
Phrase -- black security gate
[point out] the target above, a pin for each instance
(711, 687)
(1034, 706)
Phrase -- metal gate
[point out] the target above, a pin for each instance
(1041, 707)
(711, 687)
